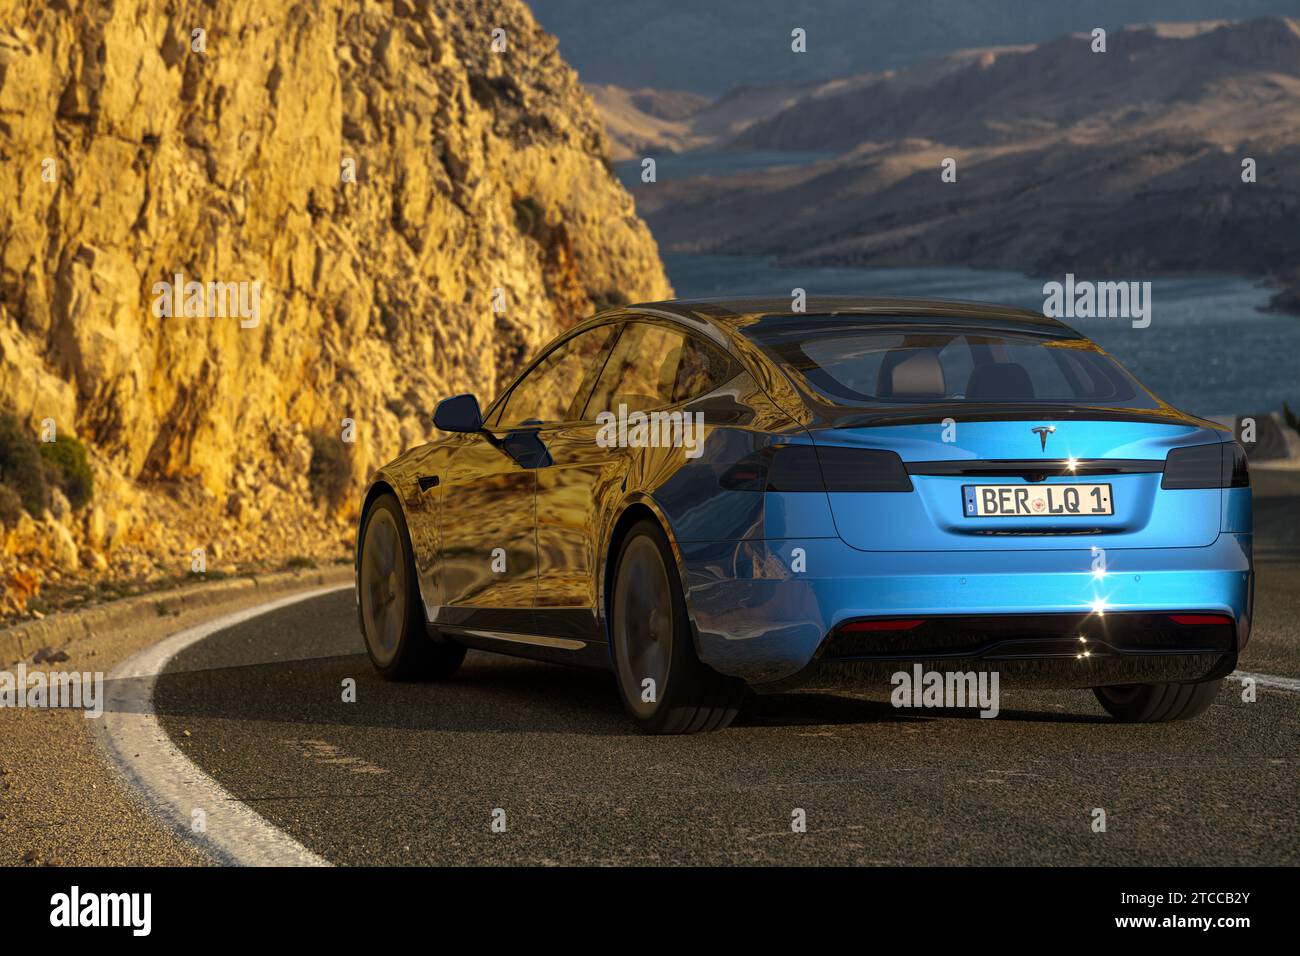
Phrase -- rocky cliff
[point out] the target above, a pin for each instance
(362, 207)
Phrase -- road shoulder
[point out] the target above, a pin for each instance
(61, 801)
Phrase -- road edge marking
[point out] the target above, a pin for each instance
(171, 785)
(1268, 680)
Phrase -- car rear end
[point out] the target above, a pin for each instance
(982, 495)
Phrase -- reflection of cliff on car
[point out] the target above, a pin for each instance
(880, 483)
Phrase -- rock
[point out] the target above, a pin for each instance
(60, 509)
(96, 525)
(1288, 298)
(63, 548)
(93, 560)
(359, 284)
(299, 457)
(20, 587)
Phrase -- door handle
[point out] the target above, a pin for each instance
(427, 481)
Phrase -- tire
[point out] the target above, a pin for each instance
(392, 616)
(650, 633)
(1156, 703)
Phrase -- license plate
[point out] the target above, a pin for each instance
(1036, 501)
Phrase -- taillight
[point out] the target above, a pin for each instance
(854, 627)
(862, 469)
(1197, 620)
(795, 468)
(1236, 473)
(1220, 465)
(747, 475)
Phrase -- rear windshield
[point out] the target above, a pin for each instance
(871, 364)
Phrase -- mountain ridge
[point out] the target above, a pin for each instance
(1115, 166)
(711, 48)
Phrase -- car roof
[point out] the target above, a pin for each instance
(734, 314)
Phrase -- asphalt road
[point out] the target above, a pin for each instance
(411, 773)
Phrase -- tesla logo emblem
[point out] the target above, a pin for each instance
(1042, 431)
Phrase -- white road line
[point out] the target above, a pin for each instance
(1268, 680)
(166, 780)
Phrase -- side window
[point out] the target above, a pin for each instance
(550, 392)
(641, 372)
(703, 368)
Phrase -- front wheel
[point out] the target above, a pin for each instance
(392, 618)
(663, 684)
(1155, 703)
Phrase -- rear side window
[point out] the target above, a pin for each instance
(641, 372)
(703, 368)
(653, 366)
(873, 364)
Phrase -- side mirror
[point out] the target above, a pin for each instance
(459, 413)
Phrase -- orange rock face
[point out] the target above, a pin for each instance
(364, 166)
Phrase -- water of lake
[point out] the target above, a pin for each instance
(1208, 350)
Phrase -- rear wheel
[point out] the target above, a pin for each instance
(392, 618)
(1155, 703)
(663, 684)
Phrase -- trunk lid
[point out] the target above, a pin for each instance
(1127, 456)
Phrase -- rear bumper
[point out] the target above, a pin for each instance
(1056, 673)
(1038, 650)
(768, 614)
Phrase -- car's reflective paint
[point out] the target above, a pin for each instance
(516, 559)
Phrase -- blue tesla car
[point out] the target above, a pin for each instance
(712, 497)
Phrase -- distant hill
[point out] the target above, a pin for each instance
(638, 123)
(644, 121)
(1149, 74)
(1067, 160)
(716, 46)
